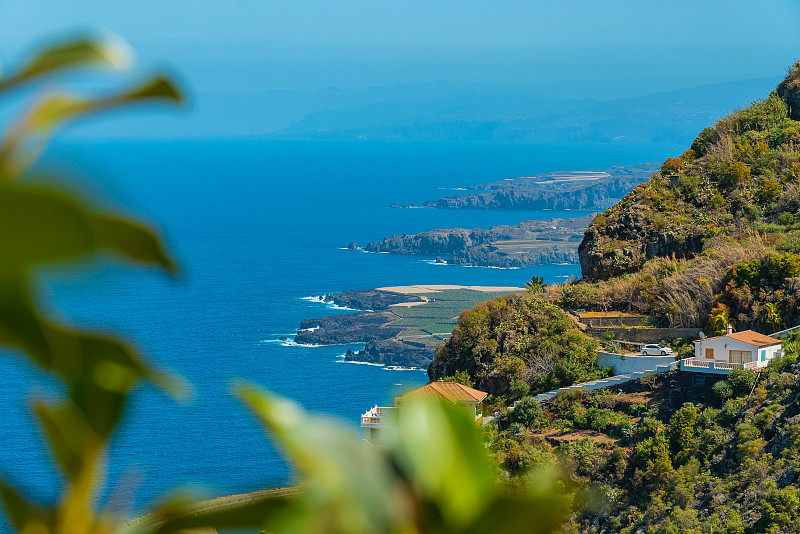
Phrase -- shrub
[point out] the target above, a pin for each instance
(735, 175)
(722, 389)
(781, 509)
(671, 166)
(742, 381)
(528, 412)
(519, 388)
(770, 191)
(706, 138)
(460, 377)
(683, 431)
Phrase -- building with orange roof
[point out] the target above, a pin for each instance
(377, 421)
(733, 350)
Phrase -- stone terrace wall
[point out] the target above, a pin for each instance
(645, 335)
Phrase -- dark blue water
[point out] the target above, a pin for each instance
(256, 226)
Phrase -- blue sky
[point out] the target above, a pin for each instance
(575, 49)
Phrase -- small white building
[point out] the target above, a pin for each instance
(378, 420)
(734, 350)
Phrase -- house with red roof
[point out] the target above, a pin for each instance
(733, 350)
(378, 419)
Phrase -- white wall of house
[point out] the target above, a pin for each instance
(722, 347)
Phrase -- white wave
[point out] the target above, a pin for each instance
(360, 363)
(401, 368)
(312, 329)
(333, 306)
(492, 267)
(434, 262)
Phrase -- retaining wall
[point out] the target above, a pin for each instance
(645, 335)
(631, 364)
(636, 320)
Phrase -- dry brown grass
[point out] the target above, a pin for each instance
(679, 293)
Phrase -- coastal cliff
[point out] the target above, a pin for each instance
(738, 179)
(400, 326)
(584, 191)
(528, 243)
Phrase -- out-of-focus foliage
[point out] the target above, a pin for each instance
(432, 476)
(41, 226)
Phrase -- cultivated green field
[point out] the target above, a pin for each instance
(433, 322)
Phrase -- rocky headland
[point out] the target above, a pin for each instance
(528, 243)
(593, 190)
(393, 353)
(399, 326)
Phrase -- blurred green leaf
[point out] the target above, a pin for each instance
(24, 515)
(131, 240)
(257, 513)
(27, 139)
(446, 458)
(39, 226)
(68, 433)
(110, 52)
(351, 481)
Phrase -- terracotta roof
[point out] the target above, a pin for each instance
(750, 337)
(449, 391)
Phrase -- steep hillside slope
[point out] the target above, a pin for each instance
(740, 177)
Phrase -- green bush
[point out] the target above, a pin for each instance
(780, 510)
(770, 191)
(460, 377)
(528, 412)
(722, 389)
(519, 388)
(742, 381)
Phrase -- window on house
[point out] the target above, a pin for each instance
(709, 354)
(763, 355)
(740, 356)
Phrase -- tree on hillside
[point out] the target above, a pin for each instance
(772, 315)
(536, 285)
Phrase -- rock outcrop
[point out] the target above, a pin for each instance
(528, 243)
(590, 190)
(368, 299)
(789, 91)
(391, 352)
(350, 328)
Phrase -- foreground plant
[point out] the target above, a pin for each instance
(433, 476)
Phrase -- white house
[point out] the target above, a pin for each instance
(377, 421)
(734, 350)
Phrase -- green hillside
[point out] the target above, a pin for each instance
(712, 239)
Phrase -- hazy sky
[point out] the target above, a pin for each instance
(572, 48)
(426, 39)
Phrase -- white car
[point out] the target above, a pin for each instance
(652, 350)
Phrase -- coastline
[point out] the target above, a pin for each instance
(400, 326)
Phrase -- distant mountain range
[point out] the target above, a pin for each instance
(669, 117)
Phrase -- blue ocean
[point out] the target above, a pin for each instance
(258, 225)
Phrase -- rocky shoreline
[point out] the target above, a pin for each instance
(369, 326)
(585, 190)
(393, 353)
(531, 242)
(411, 342)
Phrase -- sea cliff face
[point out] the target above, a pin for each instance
(528, 243)
(391, 352)
(585, 191)
(620, 243)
